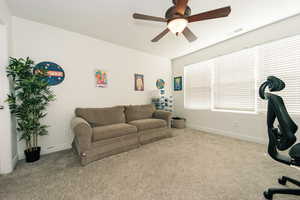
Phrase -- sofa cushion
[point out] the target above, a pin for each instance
(102, 116)
(112, 131)
(136, 112)
(145, 124)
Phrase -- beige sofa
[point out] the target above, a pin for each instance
(101, 132)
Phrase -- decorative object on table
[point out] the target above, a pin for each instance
(178, 83)
(28, 102)
(101, 79)
(156, 103)
(165, 103)
(169, 104)
(178, 122)
(138, 82)
(162, 99)
(160, 84)
(155, 98)
(159, 98)
(55, 74)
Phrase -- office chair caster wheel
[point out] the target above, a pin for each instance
(267, 195)
(282, 181)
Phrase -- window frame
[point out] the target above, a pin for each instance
(212, 79)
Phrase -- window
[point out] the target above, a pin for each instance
(282, 59)
(197, 85)
(234, 82)
(231, 82)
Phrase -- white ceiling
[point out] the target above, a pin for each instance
(111, 20)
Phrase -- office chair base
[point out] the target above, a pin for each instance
(270, 192)
(267, 195)
(283, 180)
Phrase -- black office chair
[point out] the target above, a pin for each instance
(281, 138)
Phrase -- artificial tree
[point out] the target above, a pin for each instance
(28, 101)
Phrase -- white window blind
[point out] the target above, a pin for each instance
(282, 59)
(197, 86)
(234, 81)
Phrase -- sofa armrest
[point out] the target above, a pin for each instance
(83, 133)
(165, 115)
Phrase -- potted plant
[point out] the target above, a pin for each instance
(28, 101)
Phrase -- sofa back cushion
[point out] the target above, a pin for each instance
(136, 112)
(102, 116)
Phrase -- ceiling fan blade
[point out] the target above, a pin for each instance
(161, 35)
(189, 35)
(150, 18)
(181, 6)
(221, 12)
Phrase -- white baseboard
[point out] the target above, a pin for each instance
(14, 161)
(228, 133)
(49, 150)
(9, 167)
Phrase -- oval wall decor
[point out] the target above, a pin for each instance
(160, 84)
(56, 74)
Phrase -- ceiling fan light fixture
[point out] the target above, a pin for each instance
(177, 25)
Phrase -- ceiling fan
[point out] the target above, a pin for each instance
(178, 16)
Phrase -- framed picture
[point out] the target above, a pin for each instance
(101, 79)
(178, 83)
(160, 84)
(138, 82)
(55, 73)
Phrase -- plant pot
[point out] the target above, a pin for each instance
(33, 155)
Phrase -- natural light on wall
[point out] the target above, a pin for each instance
(230, 82)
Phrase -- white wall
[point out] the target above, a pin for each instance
(8, 147)
(80, 56)
(246, 126)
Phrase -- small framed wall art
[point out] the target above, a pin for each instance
(160, 84)
(101, 79)
(138, 82)
(178, 83)
(55, 73)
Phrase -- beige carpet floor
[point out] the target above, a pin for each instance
(189, 166)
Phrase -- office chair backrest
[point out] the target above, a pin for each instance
(287, 127)
(273, 83)
(283, 137)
